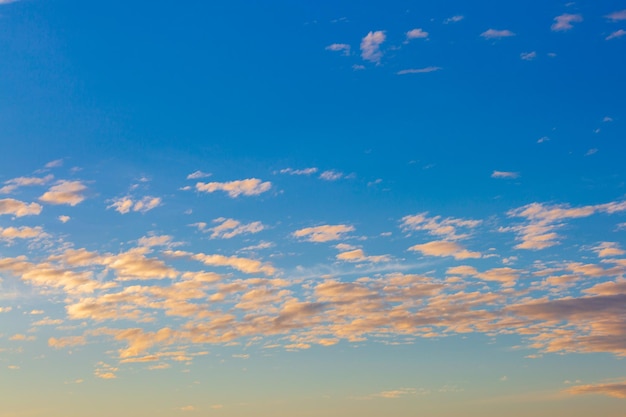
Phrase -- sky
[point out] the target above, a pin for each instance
(281, 208)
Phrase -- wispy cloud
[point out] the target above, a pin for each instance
(505, 174)
(65, 192)
(614, 389)
(417, 33)
(127, 204)
(528, 56)
(444, 248)
(617, 34)
(197, 175)
(453, 19)
(344, 48)
(324, 233)
(617, 16)
(304, 171)
(419, 70)
(15, 183)
(247, 187)
(564, 21)
(497, 34)
(370, 46)
(229, 228)
(331, 175)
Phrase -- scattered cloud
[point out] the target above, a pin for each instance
(15, 183)
(564, 21)
(418, 70)
(615, 389)
(23, 232)
(496, 34)
(18, 208)
(370, 46)
(357, 255)
(416, 34)
(543, 139)
(305, 171)
(617, 16)
(453, 19)
(188, 408)
(444, 248)
(324, 233)
(64, 219)
(505, 174)
(229, 228)
(126, 204)
(528, 56)
(57, 162)
(197, 175)
(617, 34)
(65, 192)
(344, 48)
(438, 226)
(331, 175)
(247, 187)
(591, 152)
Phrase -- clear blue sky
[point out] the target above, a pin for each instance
(312, 208)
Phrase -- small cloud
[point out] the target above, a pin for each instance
(197, 175)
(305, 171)
(616, 16)
(416, 34)
(5, 309)
(126, 204)
(505, 174)
(418, 70)
(331, 175)
(616, 390)
(64, 219)
(496, 34)
(323, 233)
(188, 408)
(607, 119)
(453, 19)
(65, 192)
(543, 139)
(617, 34)
(247, 187)
(358, 67)
(551, 54)
(57, 162)
(344, 48)
(528, 56)
(504, 378)
(19, 208)
(13, 367)
(370, 46)
(564, 21)
(445, 248)
(591, 152)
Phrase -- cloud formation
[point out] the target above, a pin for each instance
(370, 46)
(18, 208)
(323, 233)
(564, 21)
(126, 204)
(65, 192)
(247, 187)
(497, 34)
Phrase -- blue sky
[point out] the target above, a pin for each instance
(293, 209)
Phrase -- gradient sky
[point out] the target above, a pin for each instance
(281, 208)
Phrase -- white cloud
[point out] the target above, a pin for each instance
(304, 171)
(453, 19)
(357, 255)
(564, 21)
(528, 56)
(591, 152)
(344, 48)
(445, 248)
(64, 219)
(438, 226)
(57, 162)
(197, 175)
(370, 46)
(23, 232)
(15, 183)
(323, 233)
(247, 187)
(331, 175)
(505, 174)
(617, 34)
(496, 34)
(416, 34)
(616, 16)
(18, 208)
(418, 70)
(228, 228)
(65, 192)
(126, 204)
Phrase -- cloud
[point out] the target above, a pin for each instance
(15, 183)
(197, 175)
(18, 208)
(418, 70)
(323, 233)
(24, 232)
(65, 192)
(228, 228)
(339, 47)
(126, 204)
(564, 21)
(591, 152)
(247, 187)
(617, 34)
(444, 248)
(370, 46)
(615, 389)
(528, 56)
(496, 34)
(305, 171)
(505, 174)
(246, 265)
(188, 408)
(438, 226)
(57, 162)
(357, 255)
(616, 16)
(64, 219)
(607, 249)
(331, 175)
(416, 34)
(453, 19)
